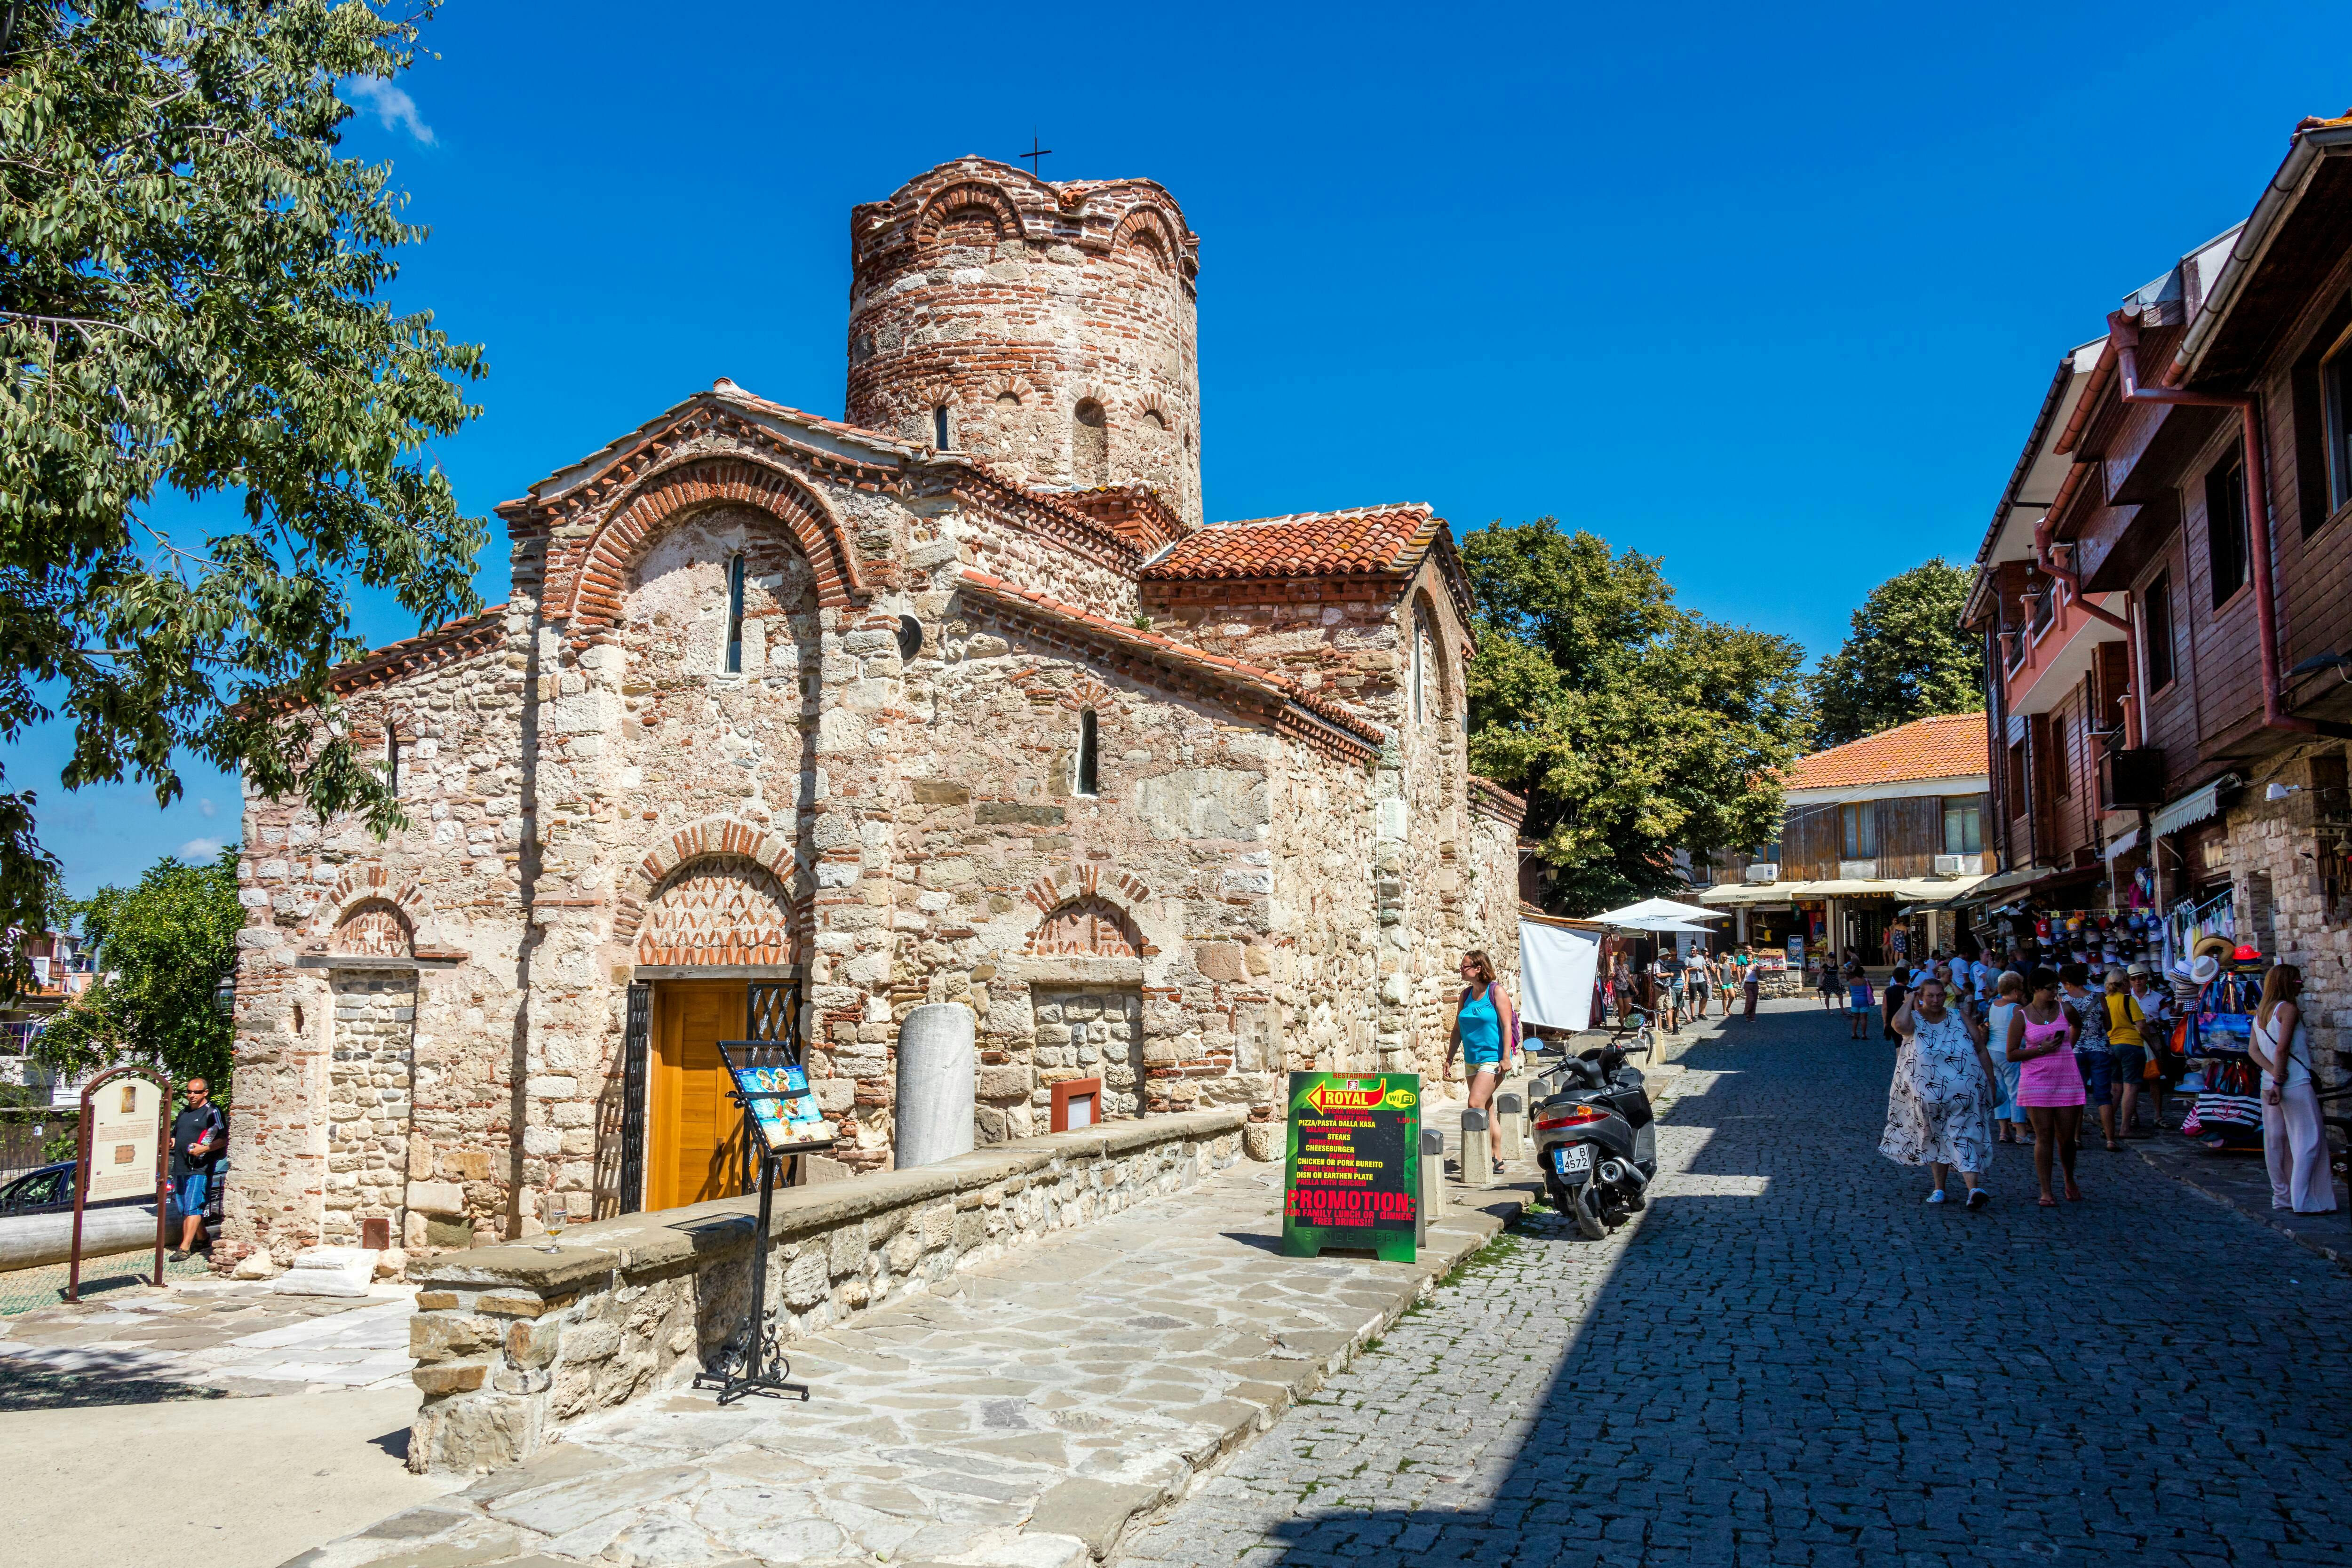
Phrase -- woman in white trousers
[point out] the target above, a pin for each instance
(2295, 1141)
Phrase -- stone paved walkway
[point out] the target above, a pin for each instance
(1791, 1360)
(1019, 1415)
(207, 1336)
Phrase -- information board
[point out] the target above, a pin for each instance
(125, 1119)
(1350, 1177)
(783, 1122)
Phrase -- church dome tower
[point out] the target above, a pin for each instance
(1049, 329)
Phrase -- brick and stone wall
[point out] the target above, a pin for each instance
(2285, 903)
(515, 1342)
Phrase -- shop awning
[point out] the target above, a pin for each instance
(2120, 845)
(1732, 894)
(2193, 807)
(1929, 890)
(2009, 882)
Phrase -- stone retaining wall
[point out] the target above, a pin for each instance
(514, 1342)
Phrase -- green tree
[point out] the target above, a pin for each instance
(162, 949)
(187, 273)
(1634, 728)
(1906, 658)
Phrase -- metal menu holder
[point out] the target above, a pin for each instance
(781, 1119)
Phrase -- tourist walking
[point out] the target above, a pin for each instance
(2092, 1054)
(1699, 975)
(1859, 1004)
(1751, 985)
(199, 1139)
(2009, 1121)
(2295, 1140)
(2126, 1020)
(1483, 1019)
(2156, 1033)
(2049, 1083)
(1667, 971)
(1939, 1105)
(1833, 994)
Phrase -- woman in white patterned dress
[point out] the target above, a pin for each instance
(1939, 1106)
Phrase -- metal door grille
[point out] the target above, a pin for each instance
(635, 1067)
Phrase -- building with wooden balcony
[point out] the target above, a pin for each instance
(2165, 593)
(1881, 835)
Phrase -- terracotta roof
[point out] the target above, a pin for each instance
(1951, 746)
(1167, 651)
(465, 636)
(1304, 544)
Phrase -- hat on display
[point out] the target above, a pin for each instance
(2204, 969)
(2212, 946)
(2246, 954)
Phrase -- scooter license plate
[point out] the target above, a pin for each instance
(1573, 1160)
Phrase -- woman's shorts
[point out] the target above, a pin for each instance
(2098, 1073)
(2131, 1064)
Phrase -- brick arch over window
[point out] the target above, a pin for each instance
(359, 885)
(711, 838)
(1069, 887)
(373, 928)
(719, 910)
(665, 499)
(962, 199)
(1422, 620)
(1146, 231)
(1087, 928)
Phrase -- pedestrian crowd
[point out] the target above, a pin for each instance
(2034, 1050)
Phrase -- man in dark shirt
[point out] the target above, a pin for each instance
(199, 1139)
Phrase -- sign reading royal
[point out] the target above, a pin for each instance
(1348, 1174)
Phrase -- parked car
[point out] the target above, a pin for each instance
(49, 1190)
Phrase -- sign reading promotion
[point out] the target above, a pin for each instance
(1349, 1177)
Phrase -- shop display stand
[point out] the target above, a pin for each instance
(755, 1363)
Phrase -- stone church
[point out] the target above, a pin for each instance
(793, 723)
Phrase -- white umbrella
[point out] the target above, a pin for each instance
(1659, 910)
(1658, 923)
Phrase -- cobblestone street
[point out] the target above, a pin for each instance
(1792, 1361)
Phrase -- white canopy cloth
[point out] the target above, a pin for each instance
(1659, 923)
(1658, 909)
(1555, 970)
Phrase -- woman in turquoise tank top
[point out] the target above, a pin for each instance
(1484, 1024)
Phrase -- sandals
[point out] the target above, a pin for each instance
(2047, 1202)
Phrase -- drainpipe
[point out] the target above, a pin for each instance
(2123, 334)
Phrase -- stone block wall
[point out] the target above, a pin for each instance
(2273, 852)
(368, 1104)
(516, 1343)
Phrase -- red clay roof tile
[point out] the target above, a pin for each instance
(1304, 544)
(1950, 746)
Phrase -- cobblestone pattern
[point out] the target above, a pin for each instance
(1792, 1361)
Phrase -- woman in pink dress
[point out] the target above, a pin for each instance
(2049, 1083)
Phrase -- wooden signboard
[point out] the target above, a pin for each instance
(1350, 1178)
(124, 1153)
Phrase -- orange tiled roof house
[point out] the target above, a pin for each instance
(795, 722)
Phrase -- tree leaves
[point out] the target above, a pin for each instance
(187, 273)
(1906, 658)
(1635, 728)
(162, 947)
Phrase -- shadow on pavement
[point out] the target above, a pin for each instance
(24, 1388)
(1794, 1360)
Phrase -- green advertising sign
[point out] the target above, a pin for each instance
(1350, 1177)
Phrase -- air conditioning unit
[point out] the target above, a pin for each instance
(1763, 871)
(1950, 865)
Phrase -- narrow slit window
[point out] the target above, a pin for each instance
(735, 616)
(940, 429)
(392, 759)
(1420, 639)
(1089, 771)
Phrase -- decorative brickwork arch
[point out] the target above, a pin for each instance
(1146, 230)
(712, 837)
(664, 498)
(960, 201)
(1087, 928)
(1083, 887)
(373, 928)
(357, 886)
(719, 910)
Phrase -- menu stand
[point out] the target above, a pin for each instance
(754, 1362)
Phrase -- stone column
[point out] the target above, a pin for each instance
(937, 1073)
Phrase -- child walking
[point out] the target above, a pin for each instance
(1859, 1003)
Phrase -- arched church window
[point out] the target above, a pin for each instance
(1420, 670)
(940, 429)
(1089, 770)
(1090, 444)
(735, 616)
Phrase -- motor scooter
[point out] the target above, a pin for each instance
(1596, 1140)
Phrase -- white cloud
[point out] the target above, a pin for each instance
(200, 849)
(206, 808)
(392, 106)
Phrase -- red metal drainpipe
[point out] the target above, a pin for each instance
(2123, 334)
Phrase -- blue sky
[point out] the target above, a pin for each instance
(1772, 294)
